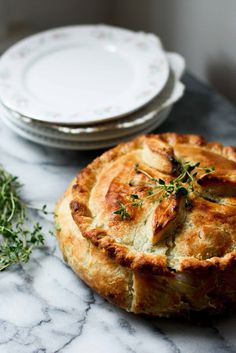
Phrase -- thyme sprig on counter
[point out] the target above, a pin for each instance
(16, 240)
(184, 183)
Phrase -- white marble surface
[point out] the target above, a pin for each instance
(46, 308)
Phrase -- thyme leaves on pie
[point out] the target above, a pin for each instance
(183, 182)
(16, 240)
(122, 211)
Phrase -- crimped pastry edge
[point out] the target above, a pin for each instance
(155, 264)
(212, 290)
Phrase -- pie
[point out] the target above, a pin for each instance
(150, 225)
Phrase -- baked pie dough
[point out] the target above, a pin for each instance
(166, 256)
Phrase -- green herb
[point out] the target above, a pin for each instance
(44, 209)
(183, 183)
(16, 240)
(136, 201)
(122, 211)
(209, 170)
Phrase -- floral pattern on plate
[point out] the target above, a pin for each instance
(46, 98)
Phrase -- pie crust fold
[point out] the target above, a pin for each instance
(148, 251)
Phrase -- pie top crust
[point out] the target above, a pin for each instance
(161, 236)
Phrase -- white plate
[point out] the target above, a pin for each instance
(145, 118)
(132, 123)
(82, 74)
(79, 145)
(113, 133)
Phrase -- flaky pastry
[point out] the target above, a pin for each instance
(151, 225)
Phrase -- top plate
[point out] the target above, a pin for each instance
(82, 74)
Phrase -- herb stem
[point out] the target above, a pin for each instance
(184, 182)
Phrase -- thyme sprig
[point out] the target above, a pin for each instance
(183, 183)
(16, 240)
(122, 211)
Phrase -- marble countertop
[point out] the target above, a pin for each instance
(46, 308)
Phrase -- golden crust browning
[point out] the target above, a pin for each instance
(158, 154)
(219, 184)
(168, 215)
(87, 260)
(157, 243)
(104, 184)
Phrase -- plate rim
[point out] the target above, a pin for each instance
(51, 142)
(135, 119)
(21, 109)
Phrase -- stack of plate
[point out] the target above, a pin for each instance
(88, 87)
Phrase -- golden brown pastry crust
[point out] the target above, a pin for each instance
(155, 261)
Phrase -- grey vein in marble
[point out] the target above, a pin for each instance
(46, 308)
